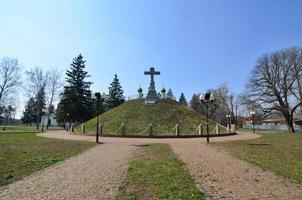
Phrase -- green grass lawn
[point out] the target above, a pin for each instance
(22, 154)
(278, 152)
(156, 173)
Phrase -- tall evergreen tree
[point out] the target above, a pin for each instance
(115, 96)
(76, 103)
(182, 99)
(40, 102)
(30, 113)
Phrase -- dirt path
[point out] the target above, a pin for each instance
(96, 174)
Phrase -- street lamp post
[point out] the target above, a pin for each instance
(207, 98)
(67, 128)
(253, 113)
(96, 97)
(229, 117)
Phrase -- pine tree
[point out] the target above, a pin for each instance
(30, 113)
(115, 96)
(40, 103)
(182, 99)
(76, 103)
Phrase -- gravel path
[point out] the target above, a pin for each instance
(223, 176)
(88, 176)
(94, 174)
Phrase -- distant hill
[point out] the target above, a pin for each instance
(137, 116)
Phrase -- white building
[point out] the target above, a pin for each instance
(52, 120)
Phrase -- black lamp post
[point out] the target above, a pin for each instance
(97, 98)
(207, 98)
(67, 122)
(229, 117)
(253, 113)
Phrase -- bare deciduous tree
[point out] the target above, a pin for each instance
(36, 84)
(36, 79)
(9, 78)
(53, 88)
(295, 56)
(234, 107)
(273, 82)
(220, 107)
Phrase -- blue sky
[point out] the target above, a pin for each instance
(196, 45)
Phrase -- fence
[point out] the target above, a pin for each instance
(149, 130)
(272, 127)
(133, 97)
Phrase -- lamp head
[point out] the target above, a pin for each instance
(212, 97)
(98, 95)
(202, 97)
(93, 97)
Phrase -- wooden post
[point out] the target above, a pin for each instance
(200, 131)
(151, 129)
(177, 130)
(72, 127)
(233, 128)
(123, 129)
(101, 129)
(217, 129)
(83, 128)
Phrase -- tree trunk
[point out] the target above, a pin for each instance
(291, 128)
(47, 120)
(290, 125)
(38, 122)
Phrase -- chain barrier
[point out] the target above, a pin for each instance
(196, 130)
(115, 132)
(173, 129)
(221, 126)
(147, 127)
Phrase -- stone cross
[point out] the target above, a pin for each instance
(152, 72)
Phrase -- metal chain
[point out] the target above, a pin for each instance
(194, 133)
(172, 129)
(115, 132)
(144, 130)
(219, 125)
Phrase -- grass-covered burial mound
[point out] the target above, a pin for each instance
(137, 116)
